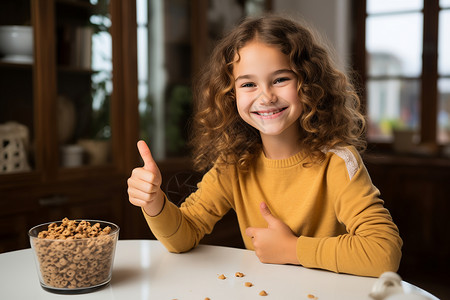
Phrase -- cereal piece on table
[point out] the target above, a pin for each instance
(207, 298)
(222, 277)
(263, 293)
(239, 274)
(248, 284)
(310, 296)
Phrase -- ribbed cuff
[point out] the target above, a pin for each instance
(306, 251)
(167, 222)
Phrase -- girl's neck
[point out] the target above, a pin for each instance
(279, 147)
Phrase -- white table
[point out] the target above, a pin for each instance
(144, 269)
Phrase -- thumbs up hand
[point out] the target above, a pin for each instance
(275, 244)
(144, 185)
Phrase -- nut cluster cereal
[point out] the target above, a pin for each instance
(247, 283)
(74, 254)
(239, 274)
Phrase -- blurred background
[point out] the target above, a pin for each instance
(82, 80)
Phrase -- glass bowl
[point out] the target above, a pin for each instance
(68, 263)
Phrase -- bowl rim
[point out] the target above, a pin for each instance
(115, 229)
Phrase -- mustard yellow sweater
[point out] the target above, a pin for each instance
(333, 208)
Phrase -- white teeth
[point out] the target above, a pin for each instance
(268, 113)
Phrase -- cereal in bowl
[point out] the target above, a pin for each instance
(74, 254)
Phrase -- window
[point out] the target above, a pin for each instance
(405, 67)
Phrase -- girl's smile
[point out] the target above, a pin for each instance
(269, 114)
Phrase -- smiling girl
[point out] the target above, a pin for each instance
(277, 130)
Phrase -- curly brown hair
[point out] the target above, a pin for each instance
(331, 106)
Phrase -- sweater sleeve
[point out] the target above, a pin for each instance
(372, 244)
(180, 229)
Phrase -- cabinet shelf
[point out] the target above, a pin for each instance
(14, 65)
(19, 179)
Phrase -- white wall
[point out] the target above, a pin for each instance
(331, 18)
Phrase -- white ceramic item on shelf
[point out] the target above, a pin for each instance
(14, 144)
(71, 156)
(98, 151)
(389, 287)
(16, 43)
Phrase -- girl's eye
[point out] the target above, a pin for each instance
(281, 80)
(248, 84)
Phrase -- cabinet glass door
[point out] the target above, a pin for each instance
(16, 88)
(84, 82)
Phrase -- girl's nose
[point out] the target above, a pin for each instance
(267, 97)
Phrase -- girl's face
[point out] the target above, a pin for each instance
(266, 90)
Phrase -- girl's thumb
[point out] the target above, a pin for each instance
(265, 212)
(144, 151)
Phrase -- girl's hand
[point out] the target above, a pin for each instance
(144, 184)
(275, 244)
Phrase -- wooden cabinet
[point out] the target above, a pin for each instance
(416, 191)
(83, 75)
